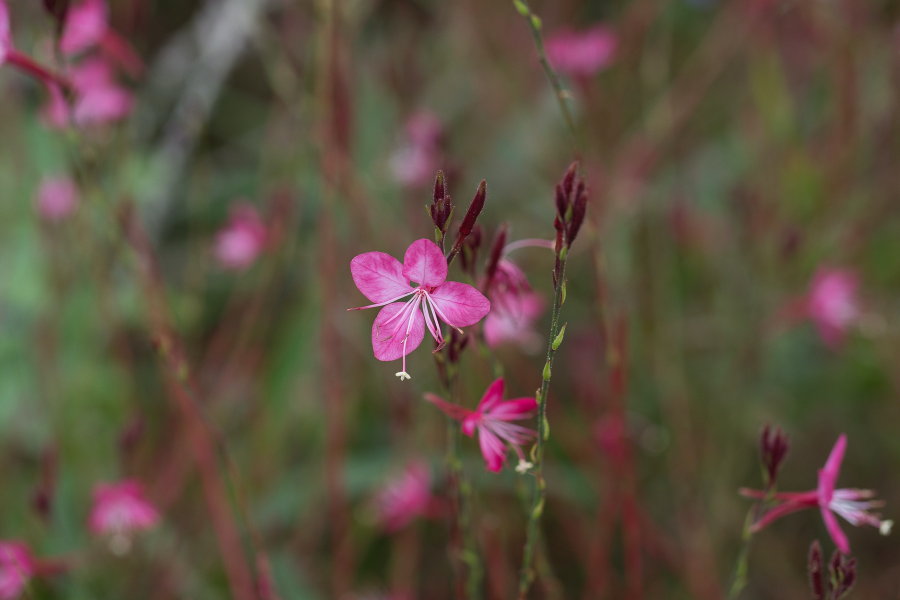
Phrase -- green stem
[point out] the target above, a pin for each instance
(741, 565)
(537, 507)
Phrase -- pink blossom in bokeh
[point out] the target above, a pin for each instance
(492, 420)
(852, 504)
(55, 113)
(243, 238)
(417, 161)
(16, 568)
(98, 98)
(404, 498)
(833, 303)
(581, 53)
(5, 35)
(86, 24)
(399, 328)
(121, 509)
(57, 198)
(514, 308)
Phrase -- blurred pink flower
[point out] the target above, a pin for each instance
(55, 113)
(383, 280)
(416, 162)
(98, 98)
(57, 197)
(833, 304)
(581, 53)
(121, 509)
(16, 568)
(492, 420)
(5, 35)
(852, 504)
(86, 24)
(404, 498)
(243, 239)
(514, 308)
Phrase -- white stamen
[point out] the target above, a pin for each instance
(523, 466)
(403, 375)
(885, 527)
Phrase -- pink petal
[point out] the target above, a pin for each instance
(454, 411)
(779, 511)
(392, 349)
(102, 105)
(425, 264)
(5, 37)
(493, 450)
(581, 53)
(55, 113)
(492, 395)
(834, 530)
(379, 276)
(829, 473)
(57, 197)
(512, 410)
(460, 304)
(85, 25)
(511, 318)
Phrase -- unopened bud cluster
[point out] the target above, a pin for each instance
(773, 448)
(839, 580)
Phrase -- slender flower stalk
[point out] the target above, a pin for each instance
(571, 204)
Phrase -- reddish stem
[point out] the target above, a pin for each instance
(29, 66)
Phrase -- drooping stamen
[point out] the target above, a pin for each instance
(412, 314)
(529, 243)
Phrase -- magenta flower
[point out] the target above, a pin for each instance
(581, 53)
(5, 36)
(243, 239)
(405, 498)
(399, 328)
(86, 24)
(416, 162)
(492, 420)
(852, 504)
(98, 98)
(16, 568)
(57, 197)
(514, 308)
(120, 509)
(833, 303)
(55, 113)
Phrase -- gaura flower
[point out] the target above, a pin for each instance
(16, 568)
(98, 98)
(243, 239)
(833, 303)
(404, 498)
(415, 163)
(514, 308)
(57, 197)
(581, 53)
(852, 504)
(400, 327)
(120, 510)
(87, 26)
(492, 420)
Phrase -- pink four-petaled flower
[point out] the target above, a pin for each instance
(852, 504)
(243, 239)
(399, 328)
(404, 498)
(581, 53)
(121, 509)
(514, 308)
(16, 568)
(492, 420)
(833, 303)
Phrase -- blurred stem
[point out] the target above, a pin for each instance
(741, 566)
(537, 507)
(562, 94)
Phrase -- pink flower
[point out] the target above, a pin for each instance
(16, 568)
(98, 98)
(416, 162)
(6, 44)
(492, 420)
(833, 304)
(57, 197)
(121, 509)
(55, 113)
(243, 239)
(852, 504)
(405, 498)
(86, 24)
(400, 328)
(581, 53)
(514, 308)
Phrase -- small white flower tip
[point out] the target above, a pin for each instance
(119, 544)
(885, 527)
(523, 466)
(403, 375)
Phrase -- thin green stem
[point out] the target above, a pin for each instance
(562, 94)
(537, 507)
(741, 565)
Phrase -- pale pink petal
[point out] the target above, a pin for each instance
(833, 303)
(102, 105)
(471, 422)
(492, 395)
(424, 263)
(57, 197)
(493, 450)
(454, 411)
(414, 165)
(512, 319)
(121, 508)
(5, 36)
(86, 23)
(513, 410)
(834, 530)
(581, 53)
(16, 568)
(379, 276)
(55, 113)
(829, 473)
(404, 498)
(459, 304)
(392, 348)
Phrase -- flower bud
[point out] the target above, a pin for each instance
(579, 208)
(474, 209)
(814, 568)
(490, 269)
(773, 448)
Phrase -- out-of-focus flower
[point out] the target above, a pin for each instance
(404, 498)
(120, 510)
(399, 328)
(55, 113)
(57, 198)
(243, 239)
(16, 568)
(852, 504)
(492, 420)
(514, 307)
(581, 53)
(833, 303)
(5, 35)
(415, 163)
(86, 24)
(98, 98)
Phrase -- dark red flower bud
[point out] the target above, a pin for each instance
(490, 269)
(842, 572)
(562, 202)
(815, 569)
(440, 189)
(579, 208)
(773, 448)
(569, 179)
(474, 209)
